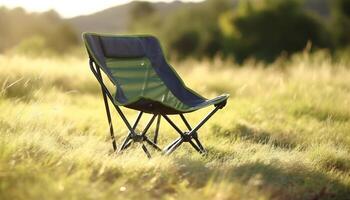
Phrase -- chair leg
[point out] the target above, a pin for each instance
(146, 151)
(196, 147)
(189, 135)
(127, 145)
(183, 136)
(201, 123)
(174, 147)
(133, 137)
(154, 145)
(125, 142)
(204, 151)
(148, 125)
(128, 137)
(195, 134)
(155, 139)
(178, 130)
(109, 118)
(171, 144)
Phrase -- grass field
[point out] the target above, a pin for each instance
(285, 134)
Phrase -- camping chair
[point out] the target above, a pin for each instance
(144, 81)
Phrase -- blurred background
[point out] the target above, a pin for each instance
(262, 30)
(283, 135)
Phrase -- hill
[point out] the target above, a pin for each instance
(26, 31)
(116, 19)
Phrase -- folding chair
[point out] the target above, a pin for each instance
(144, 81)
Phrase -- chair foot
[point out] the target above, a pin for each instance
(176, 143)
(139, 138)
(174, 147)
(190, 135)
(196, 147)
(126, 143)
(171, 144)
(204, 151)
(146, 151)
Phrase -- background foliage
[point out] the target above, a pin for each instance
(260, 29)
(35, 32)
(239, 29)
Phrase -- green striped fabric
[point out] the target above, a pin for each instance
(137, 79)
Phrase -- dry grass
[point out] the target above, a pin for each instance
(283, 135)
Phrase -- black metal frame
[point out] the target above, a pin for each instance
(190, 136)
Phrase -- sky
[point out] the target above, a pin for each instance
(69, 8)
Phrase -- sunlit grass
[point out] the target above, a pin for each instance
(283, 135)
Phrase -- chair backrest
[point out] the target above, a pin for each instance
(129, 60)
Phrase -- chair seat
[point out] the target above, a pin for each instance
(141, 88)
(159, 107)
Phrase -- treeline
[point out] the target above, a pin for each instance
(35, 33)
(262, 29)
(240, 29)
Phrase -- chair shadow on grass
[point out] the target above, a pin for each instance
(295, 182)
(323, 114)
(257, 135)
(280, 182)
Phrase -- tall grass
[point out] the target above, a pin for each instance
(283, 135)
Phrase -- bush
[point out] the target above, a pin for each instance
(264, 29)
(34, 46)
(186, 43)
(194, 31)
(47, 30)
(341, 22)
(185, 31)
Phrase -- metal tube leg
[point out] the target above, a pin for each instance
(109, 118)
(155, 139)
(127, 141)
(174, 147)
(187, 137)
(185, 121)
(137, 120)
(148, 125)
(200, 124)
(200, 145)
(145, 138)
(146, 151)
(127, 145)
(104, 88)
(195, 134)
(173, 125)
(171, 144)
(152, 144)
(195, 147)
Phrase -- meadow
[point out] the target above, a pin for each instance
(284, 134)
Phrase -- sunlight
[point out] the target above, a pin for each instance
(68, 8)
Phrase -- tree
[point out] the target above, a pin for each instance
(141, 10)
(341, 22)
(266, 28)
(194, 31)
(44, 31)
(142, 16)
